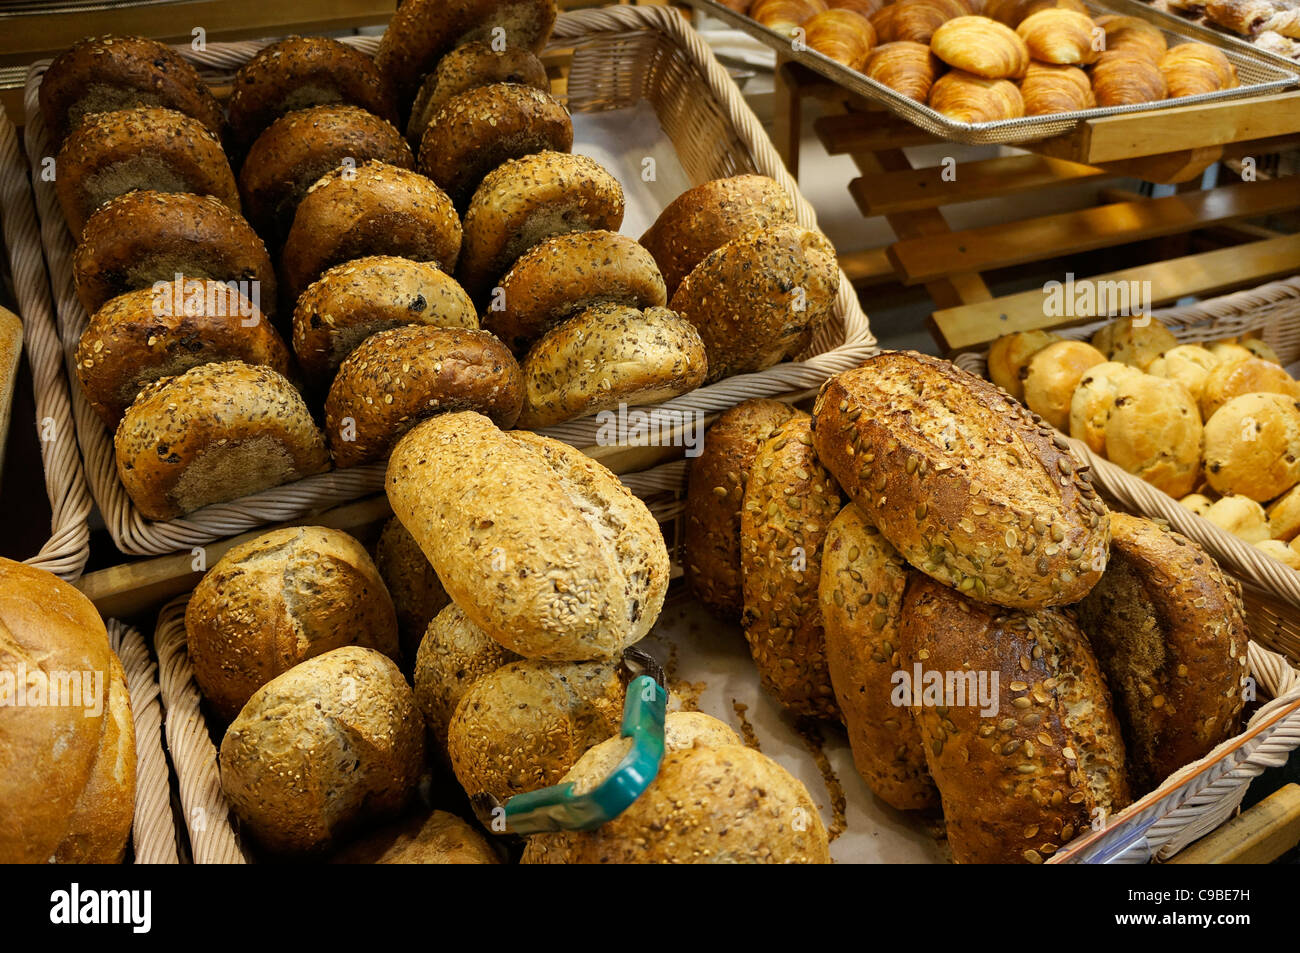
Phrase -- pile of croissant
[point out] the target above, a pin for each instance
(988, 60)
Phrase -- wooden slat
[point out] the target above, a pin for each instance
(868, 267)
(848, 133)
(1259, 836)
(1014, 243)
(1213, 272)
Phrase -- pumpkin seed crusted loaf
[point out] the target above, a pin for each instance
(454, 654)
(968, 485)
(468, 66)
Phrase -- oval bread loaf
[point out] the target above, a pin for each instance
(453, 655)
(417, 592)
(467, 67)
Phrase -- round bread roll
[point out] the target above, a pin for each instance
(378, 209)
(299, 148)
(67, 741)
(423, 838)
(1154, 432)
(1052, 375)
(1261, 350)
(217, 432)
(107, 73)
(150, 333)
(149, 147)
(1009, 355)
(760, 298)
(1280, 551)
(1252, 446)
(606, 356)
(570, 273)
(359, 298)
(524, 202)
(329, 746)
(522, 726)
(1229, 350)
(299, 72)
(703, 219)
(417, 591)
(1198, 503)
(1250, 375)
(1093, 401)
(396, 378)
(566, 562)
(453, 655)
(483, 127)
(1284, 515)
(466, 67)
(714, 495)
(1136, 341)
(1241, 516)
(1189, 364)
(280, 599)
(138, 239)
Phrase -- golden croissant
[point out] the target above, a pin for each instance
(1194, 68)
(844, 36)
(784, 16)
(1013, 12)
(905, 67)
(981, 46)
(1133, 34)
(968, 98)
(915, 20)
(1063, 37)
(1123, 78)
(865, 7)
(1049, 89)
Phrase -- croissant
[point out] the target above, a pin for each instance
(1013, 12)
(968, 98)
(1061, 36)
(905, 67)
(784, 16)
(1049, 89)
(981, 46)
(915, 20)
(1194, 68)
(1133, 34)
(1122, 78)
(844, 36)
(865, 7)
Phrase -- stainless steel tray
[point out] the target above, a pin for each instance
(1258, 73)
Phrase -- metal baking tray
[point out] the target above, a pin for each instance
(1167, 19)
(1257, 72)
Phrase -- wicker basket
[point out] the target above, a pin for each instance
(620, 56)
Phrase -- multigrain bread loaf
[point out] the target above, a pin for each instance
(714, 496)
(1020, 776)
(334, 743)
(217, 432)
(543, 548)
(1052, 376)
(277, 600)
(965, 483)
(149, 147)
(1169, 630)
(1250, 375)
(422, 838)
(1189, 364)
(1252, 446)
(861, 595)
(1095, 399)
(1135, 341)
(67, 768)
(1008, 360)
(453, 655)
(417, 592)
(789, 502)
(469, 66)
(1154, 431)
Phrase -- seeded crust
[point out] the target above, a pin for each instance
(861, 597)
(523, 202)
(968, 485)
(280, 599)
(423, 838)
(1009, 355)
(714, 495)
(1018, 785)
(378, 210)
(417, 592)
(107, 73)
(789, 503)
(127, 345)
(302, 71)
(1250, 376)
(1169, 630)
(745, 299)
(567, 274)
(523, 726)
(481, 128)
(606, 356)
(1154, 432)
(149, 147)
(545, 550)
(1137, 346)
(469, 66)
(139, 238)
(299, 148)
(1252, 446)
(1094, 399)
(453, 655)
(217, 432)
(705, 218)
(1052, 376)
(331, 745)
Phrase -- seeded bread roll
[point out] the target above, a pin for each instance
(217, 432)
(423, 838)
(146, 334)
(965, 483)
(1169, 630)
(299, 72)
(1241, 516)
(703, 219)
(67, 771)
(759, 298)
(570, 273)
(1052, 376)
(1252, 446)
(469, 66)
(107, 73)
(331, 745)
(453, 655)
(299, 148)
(149, 147)
(280, 599)
(524, 202)
(1009, 355)
(378, 209)
(1135, 341)
(606, 356)
(1155, 432)
(861, 597)
(141, 238)
(483, 127)
(1189, 364)
(417, 592)
(1252, 375)
(1094, 400)
(714, 496)
(566, 562)
(1284, 515)
(789, 503)
(1019, 778)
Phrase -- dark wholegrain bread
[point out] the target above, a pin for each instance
(714, 496)
(453, 655)
(466, 67)
(1019, 782)
(417, 591)
(968, 485)
(1169, 630)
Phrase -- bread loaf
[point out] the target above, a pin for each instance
(417, 591)
(1284, 516)
(1252, 446)
(1052, 376)
(1198, 503)
(467, 67)
(1008, 360)
(1261, 350)
(423, 838)
(453, 655)
(1280, 551)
